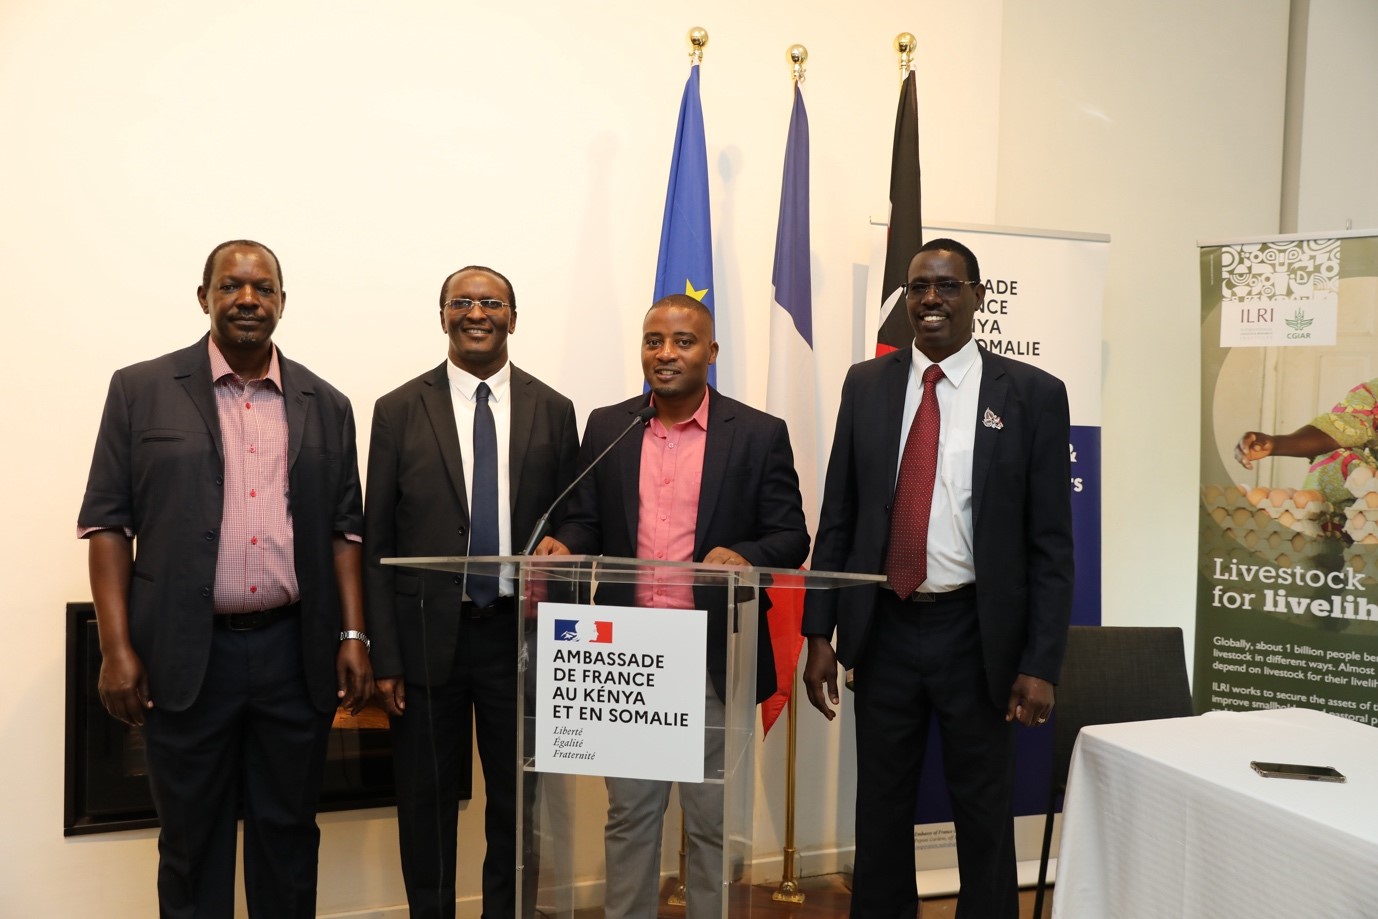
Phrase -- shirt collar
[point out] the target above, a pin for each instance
(955, 366)
(464, 382)
(220, 368)
(700, 416)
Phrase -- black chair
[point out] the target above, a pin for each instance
(1111, 674)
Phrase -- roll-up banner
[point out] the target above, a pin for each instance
(1287, 584)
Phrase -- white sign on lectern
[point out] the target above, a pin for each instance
(619, 691)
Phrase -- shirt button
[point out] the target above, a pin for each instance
(253, 449)
(248, 406)
(660, 555)
(664, 516)
(253, 541)
(666, 481)
(253, 588)
(253, 493)
(671, 445)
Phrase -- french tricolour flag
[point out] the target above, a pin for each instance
(593, 632)
(792, 384)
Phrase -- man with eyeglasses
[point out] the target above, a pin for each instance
(462, 461)
(949, 474)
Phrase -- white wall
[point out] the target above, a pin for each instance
(378, 150)
(1339, 124)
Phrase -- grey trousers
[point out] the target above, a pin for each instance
(636, 825)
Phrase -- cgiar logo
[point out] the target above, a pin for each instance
(1298, 324)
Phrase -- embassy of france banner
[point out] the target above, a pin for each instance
(619, 691)
(1044, 296)
(1287, 584)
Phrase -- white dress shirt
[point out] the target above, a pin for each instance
(463, 384)
(950, 561)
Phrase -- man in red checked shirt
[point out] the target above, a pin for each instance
(235, 631)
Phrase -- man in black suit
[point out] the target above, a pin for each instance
(710, 480)
(238, 629)
(971, 626)
(444, 646)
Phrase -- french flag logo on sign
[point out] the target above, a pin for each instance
(592, 632)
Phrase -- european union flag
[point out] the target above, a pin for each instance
(685, 265)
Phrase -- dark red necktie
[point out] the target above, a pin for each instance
(906, 561)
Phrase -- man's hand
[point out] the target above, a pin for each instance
(353, 676)
(1254, 445)
(722, 556)
(392, 694)
(549, 545)
(820, 670)
(123, 686)
(1031, 701)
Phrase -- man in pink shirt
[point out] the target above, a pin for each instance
(710, 480)
(224, 521)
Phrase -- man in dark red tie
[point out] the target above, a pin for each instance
(949, 474)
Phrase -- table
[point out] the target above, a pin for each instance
(1166, 819)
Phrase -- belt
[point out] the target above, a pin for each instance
(248, 622)
(965, 592)
(502, 606)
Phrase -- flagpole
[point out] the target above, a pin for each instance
(905, 43)
(788, 891)
(698, 38)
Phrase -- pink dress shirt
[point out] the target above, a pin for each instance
(671, 474)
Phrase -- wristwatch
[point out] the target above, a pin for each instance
(357, 636)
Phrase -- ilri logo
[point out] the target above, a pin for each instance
(588, 631)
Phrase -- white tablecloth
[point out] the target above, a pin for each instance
(1166, 819)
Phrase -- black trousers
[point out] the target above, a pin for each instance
(429, 741)
(924, 661)
(253, 737)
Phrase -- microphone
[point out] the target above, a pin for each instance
(642, 419)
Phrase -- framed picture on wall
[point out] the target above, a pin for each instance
(106, 784)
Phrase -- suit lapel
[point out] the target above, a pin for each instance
(435, 399)
(193, 371)
(995, 389)
(716, 450)
(523, 417)
(891, 419)
(628, 459)
(299, 404)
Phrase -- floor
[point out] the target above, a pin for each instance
(828, 898)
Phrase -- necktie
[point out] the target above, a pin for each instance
(906, 560)
(483, 503)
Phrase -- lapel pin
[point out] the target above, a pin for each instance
(992, 420)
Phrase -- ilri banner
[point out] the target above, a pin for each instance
(1287, 585)
(1044, 296)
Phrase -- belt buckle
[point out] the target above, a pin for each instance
(919, 596)
(233, 618)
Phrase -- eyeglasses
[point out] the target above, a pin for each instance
(464, 305)
(948, 290)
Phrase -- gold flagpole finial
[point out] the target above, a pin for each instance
(798, 54)
(905, 43)
(698, 37)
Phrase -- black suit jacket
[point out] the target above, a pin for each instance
(1020, 511)
(748, 502)
(159, 470)
(417, 506)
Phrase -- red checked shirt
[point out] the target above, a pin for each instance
(671, 474)
(254, 567)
